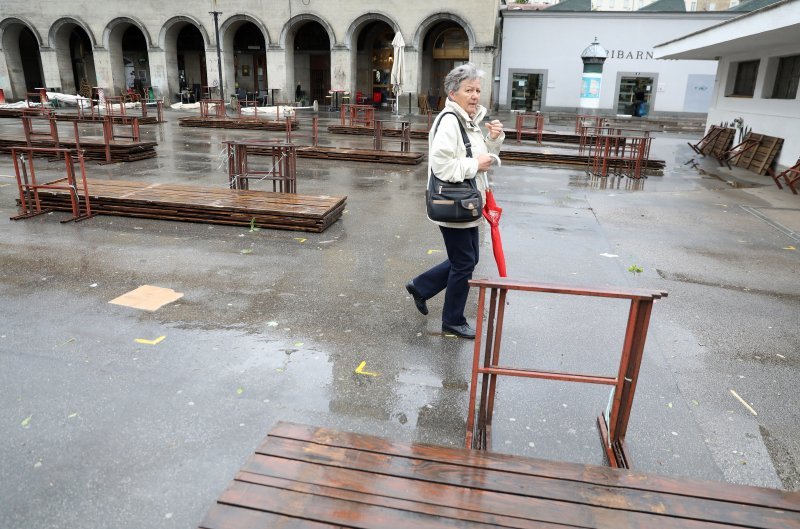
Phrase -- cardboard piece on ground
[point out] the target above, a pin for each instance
(147, 297)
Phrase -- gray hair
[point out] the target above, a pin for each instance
(459, 74)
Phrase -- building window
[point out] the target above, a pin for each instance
(787, 78)
(745, 83)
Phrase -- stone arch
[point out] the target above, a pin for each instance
(11, 22)
(364, 19)
(20, 73)
(125, 21)
(181, 20)
(432, 20)
(227, 32)
(300, 19)
(314, 87)
(431, 71)
(193, 67)
(73, 64)
(57, 26)
(112, 41)
(364, 32)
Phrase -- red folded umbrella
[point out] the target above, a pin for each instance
(492, 212)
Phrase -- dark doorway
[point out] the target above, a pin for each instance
(31, 60)
(446, 46)
(249, 53)
(312, 61)
(635, 94)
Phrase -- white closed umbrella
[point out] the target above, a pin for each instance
(398, 67)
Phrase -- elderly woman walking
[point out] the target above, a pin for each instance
(448, 159)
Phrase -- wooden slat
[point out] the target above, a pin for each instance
(446, 499)
(532, 486)
(422, 134)
(759, 159)
(360, 155)
(347, 513)
(122, 150)
(771, 498)
(560, 158)
(235, 123)
(302, 476)
(232, 517)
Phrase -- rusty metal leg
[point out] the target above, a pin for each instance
(495, 361)
(483, 414)
(619, 428)
(473, 384)
(87, 201)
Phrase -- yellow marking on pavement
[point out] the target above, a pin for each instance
(430, 252)
(150, 342)
(360, 370)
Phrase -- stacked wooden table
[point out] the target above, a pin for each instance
(287, 211)
(94, 148)
(309, 477)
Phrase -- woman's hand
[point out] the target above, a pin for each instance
(484, 162)
(495, 128)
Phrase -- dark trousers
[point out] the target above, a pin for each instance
(452, 274)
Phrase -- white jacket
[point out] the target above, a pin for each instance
(447, 156)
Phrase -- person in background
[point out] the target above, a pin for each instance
(448, 160)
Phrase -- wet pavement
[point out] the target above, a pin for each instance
(104, 431)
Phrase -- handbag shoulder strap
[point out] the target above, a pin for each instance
(467, 144)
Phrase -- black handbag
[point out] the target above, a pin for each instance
(453, 201)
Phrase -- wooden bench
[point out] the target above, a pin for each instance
(309, 477)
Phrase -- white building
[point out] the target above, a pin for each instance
(540, 65)
(758, 72)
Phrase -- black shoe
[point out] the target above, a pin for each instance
(462, 331)
(419, 301)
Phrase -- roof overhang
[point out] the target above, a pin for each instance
(771, 26)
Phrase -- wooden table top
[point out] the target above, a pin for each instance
(309, 477)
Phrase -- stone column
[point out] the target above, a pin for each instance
(411, 84)
(158, 74)
(212, 71)
(483, 59)
(341, 68)
(278, 75)
(102, 65)
(5, 80)
(50, 74)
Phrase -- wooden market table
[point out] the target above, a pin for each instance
(310, 477)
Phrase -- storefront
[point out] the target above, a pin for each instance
(540, 63)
